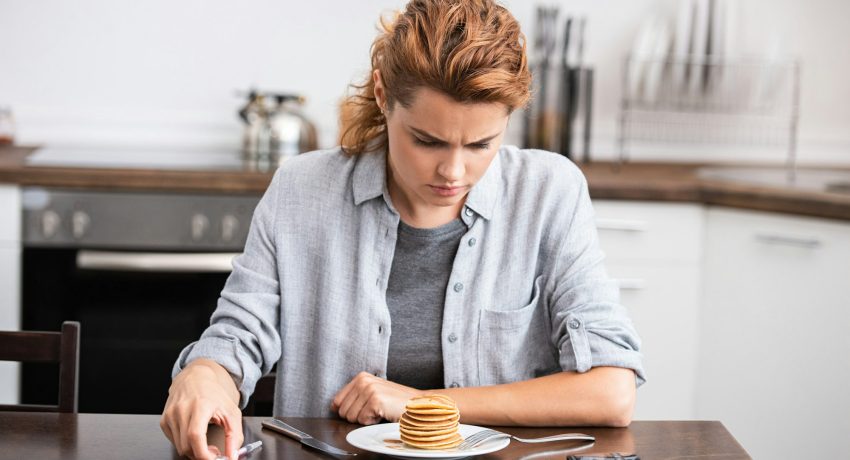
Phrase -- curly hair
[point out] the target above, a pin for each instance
(471, 50)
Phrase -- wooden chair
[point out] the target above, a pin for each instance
(47, 347)
(262, 400)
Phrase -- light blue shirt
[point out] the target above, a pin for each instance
(527, 296)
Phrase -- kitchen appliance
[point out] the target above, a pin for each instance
(275, 126)
(141, 272)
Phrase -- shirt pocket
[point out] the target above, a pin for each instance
(514, 344)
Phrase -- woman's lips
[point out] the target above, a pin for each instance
(446, 191)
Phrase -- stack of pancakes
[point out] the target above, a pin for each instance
(430, 422)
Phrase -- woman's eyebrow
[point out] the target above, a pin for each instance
(431, 137)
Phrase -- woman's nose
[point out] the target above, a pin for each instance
(452, 167)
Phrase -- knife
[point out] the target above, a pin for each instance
(567, 93)
(306, 439)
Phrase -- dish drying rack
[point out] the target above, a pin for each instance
(744, 102)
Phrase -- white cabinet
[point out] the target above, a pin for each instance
(774, 360)
(10, 268)
(654, 251)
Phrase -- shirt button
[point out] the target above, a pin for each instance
(472, 242)
(468, 212)
(454, 385)
(574, 324)
(380, 329)
(452, 337)
(458, 287)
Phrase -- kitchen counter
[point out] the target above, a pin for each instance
(674, 182)
(251, 179)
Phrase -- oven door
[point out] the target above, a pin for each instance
(137, 311)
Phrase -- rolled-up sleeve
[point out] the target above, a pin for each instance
(589, 325)
(243, 335)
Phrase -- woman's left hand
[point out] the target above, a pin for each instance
(367, 399)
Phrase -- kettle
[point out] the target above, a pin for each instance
(275, 127)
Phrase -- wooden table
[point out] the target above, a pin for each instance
(107, 436)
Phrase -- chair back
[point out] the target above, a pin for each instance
(262, 400)
(47, 347)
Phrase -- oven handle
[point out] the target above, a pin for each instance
(198, 262)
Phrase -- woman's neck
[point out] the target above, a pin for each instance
(416, 213)
(430, 218)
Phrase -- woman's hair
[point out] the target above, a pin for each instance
(471, 50)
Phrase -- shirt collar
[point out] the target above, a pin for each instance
(484, 195)
(370, 177)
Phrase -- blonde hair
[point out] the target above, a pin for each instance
(471, 50)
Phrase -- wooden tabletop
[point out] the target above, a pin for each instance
(110, 436)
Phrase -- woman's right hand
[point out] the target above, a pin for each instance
(202, 393)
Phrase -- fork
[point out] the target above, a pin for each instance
(488, 434)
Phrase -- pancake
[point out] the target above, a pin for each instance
(431, 402)
(430, 422)
(432, 435)
(449, 443)
(431, 418)
(418, 425)
(433, 411)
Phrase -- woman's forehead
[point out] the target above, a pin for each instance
(439, 115)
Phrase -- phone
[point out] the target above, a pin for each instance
(612, 456)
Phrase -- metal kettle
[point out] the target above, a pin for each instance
(275, 127)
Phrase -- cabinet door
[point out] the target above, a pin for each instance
(654, 250)
(774, 339)
(10, 266)
(662, 300)
(9, 317)
(632, 231)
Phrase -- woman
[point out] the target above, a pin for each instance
(420, 256)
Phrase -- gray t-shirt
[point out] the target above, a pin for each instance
(416, 294)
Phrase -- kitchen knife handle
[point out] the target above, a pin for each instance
(284, 428)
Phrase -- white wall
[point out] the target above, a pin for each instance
(164, 73)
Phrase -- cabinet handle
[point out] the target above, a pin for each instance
(787, 240)
(622, 225)
(632, 284)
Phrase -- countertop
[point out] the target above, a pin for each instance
(671, 182)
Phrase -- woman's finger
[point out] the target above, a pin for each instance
(338, 400)
(355, 405)
(233, 436)
(171, 432)
(177, 422)
(196, 434)
(214, 450)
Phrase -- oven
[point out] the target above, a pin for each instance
(141, 272)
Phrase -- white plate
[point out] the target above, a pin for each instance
(372, 438)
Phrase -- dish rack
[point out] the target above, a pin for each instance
(692, 100)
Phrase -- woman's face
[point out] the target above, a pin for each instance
(439, 149)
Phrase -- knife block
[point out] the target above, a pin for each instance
(558, 117)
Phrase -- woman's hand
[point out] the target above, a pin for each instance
(367, 399)
(202, 393)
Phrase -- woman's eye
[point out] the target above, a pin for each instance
(426, 143)
(435, 144)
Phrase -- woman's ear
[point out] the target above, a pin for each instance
(380, 96)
